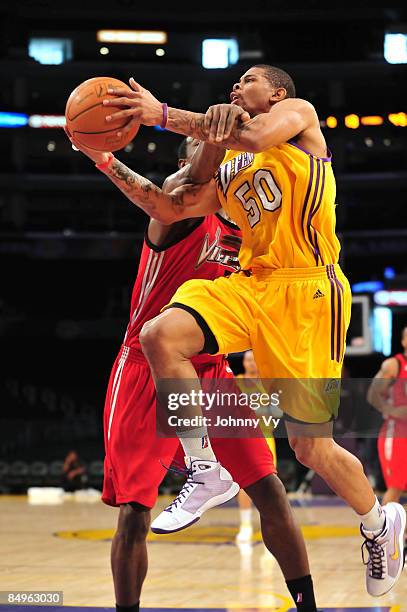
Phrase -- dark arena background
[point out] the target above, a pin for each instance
(70, 248)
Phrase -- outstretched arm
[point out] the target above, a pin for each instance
(285, 120)
(167, 207)
(178, 200)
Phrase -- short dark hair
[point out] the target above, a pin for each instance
(278, 78)
(183, 149)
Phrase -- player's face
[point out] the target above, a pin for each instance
(253, 92)
(249, 364)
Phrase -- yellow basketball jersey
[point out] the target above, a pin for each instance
(283, 200)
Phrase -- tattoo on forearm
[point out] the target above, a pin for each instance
(192, 124)
(187, 123)
(132, 180)
(121, 172)
(137, 188)
(144, 193)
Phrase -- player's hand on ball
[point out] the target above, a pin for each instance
(99, 157)
(220, 120)
(139, 104)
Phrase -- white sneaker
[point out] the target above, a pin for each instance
(385, 550)
(245, 533)
(208, 485)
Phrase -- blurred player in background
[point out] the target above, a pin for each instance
(291, 301)
(74, 471)
(388, 394)
(135, 457)
(249, 382)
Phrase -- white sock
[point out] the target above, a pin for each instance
(196, 443)
(246, 516)
(374, 519)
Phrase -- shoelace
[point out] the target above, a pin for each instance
(376, 556)
(189, 485)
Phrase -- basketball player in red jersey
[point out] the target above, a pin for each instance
(134, 455)
(388, 394)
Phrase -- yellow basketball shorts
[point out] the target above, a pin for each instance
(294, 319)
(272, 446)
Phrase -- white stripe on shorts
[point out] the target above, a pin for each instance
(116, 386)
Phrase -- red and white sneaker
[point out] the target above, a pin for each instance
(208, 485)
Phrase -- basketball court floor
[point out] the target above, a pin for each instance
(66, 548)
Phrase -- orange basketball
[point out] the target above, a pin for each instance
(86, 116)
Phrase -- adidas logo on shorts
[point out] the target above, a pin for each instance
(318, 293)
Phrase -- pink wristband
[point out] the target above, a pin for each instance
(165, 115)
(105, 164)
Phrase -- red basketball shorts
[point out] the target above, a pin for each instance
(136, 456)
(392, 446)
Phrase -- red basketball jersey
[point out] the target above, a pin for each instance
(393, 433)
(399, 388)
(162, 271)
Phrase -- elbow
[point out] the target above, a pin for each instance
(164, 219)
(162, 216)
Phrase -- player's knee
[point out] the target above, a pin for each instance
(270, 499)
(154, 338)
(166, 339)
(133, 525)
(308, 451)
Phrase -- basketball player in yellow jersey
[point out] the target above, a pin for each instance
(290, 303)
